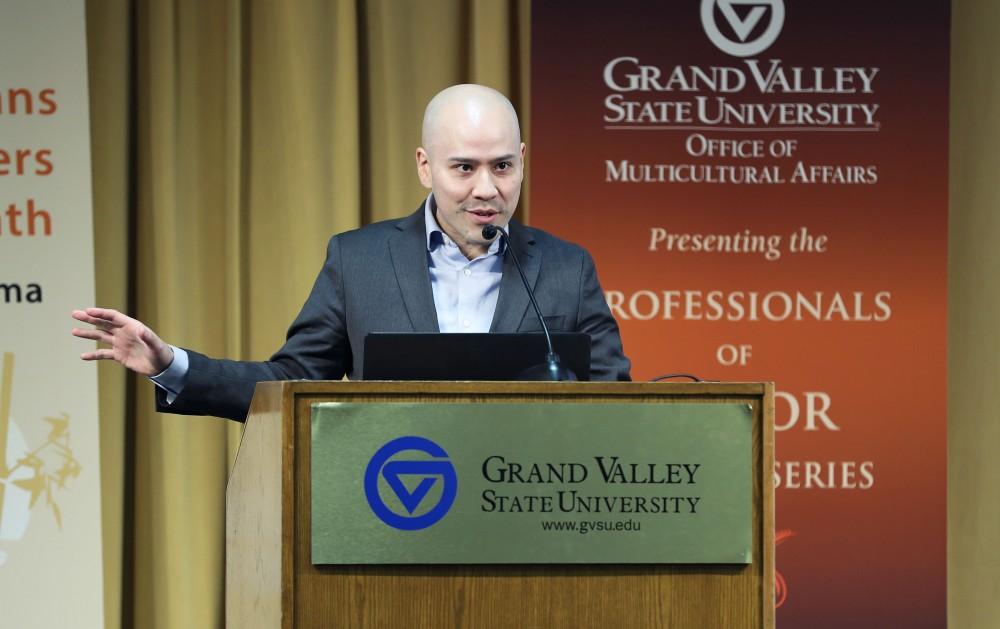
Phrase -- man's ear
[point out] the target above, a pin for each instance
(424, 168)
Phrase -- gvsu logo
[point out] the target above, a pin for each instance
(423, 475)
(743, 26)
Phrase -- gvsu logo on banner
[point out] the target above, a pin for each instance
(743, 26)
(423, 473)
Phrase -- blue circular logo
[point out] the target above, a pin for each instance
(427, 471)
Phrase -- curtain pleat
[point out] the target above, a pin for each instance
(231, 139)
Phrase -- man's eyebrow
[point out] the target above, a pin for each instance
(471, 160)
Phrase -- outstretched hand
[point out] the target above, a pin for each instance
(132, 343)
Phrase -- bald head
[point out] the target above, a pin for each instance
(472, 160)
(469, 106)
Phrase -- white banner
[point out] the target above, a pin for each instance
(50, 502)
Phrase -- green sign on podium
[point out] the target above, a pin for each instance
(396, 483)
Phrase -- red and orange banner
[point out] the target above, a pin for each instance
(764, 187)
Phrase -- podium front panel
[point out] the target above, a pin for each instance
(273, 582)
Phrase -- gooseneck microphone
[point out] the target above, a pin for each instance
(552, 369)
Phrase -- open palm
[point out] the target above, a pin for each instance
(131, 342)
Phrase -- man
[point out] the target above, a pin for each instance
(429, 272)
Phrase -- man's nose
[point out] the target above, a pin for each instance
(484, 187)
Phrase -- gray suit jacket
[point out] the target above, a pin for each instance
(375, 279)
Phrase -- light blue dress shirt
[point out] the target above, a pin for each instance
(465, 291)
(465, 294)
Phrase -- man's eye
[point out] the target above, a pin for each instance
(465, 168)
(504, 165)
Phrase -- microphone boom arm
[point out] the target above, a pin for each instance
(554, 370)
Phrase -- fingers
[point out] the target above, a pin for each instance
(100, 354)
(104, 317)
(110, 315)
(99, 324)
(93, 334)
(80, 315)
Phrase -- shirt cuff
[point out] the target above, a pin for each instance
(174, 377)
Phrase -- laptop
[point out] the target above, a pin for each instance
(438, 356)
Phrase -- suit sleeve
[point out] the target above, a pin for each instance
(607, 359)
(316, 348)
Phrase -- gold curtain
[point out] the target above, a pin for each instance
(231, 138)
(974, 317)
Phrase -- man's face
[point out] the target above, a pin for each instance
(473, 164)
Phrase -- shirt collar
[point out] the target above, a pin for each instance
(437, 237)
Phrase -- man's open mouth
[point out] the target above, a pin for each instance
(482, 216)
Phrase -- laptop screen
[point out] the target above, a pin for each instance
(413, 356)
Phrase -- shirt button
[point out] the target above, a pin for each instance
(466, 323)
(468, 272)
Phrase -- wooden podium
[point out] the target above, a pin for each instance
(271, 581)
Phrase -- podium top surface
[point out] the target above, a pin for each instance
(321, 387)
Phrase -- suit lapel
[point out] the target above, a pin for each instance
(513, 300)
(408, 250)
